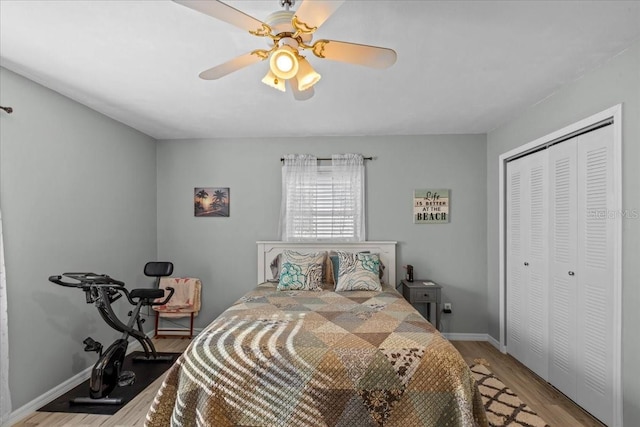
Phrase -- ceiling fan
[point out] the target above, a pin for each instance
(289, 33)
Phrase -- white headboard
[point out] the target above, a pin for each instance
(267, 251)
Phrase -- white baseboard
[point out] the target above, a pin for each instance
(60, 389)
(455, 336)
(47, 397)
(177, 332)
(494, 342)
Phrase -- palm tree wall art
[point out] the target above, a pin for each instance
(211, 201)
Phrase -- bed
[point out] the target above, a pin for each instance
(282, 356)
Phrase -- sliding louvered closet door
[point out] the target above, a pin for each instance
(527, 266)
(560, 249)
(581, 271)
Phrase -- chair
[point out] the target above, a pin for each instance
(185, 302)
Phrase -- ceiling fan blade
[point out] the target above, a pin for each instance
(230, 66)
(300, 95)
(353, 53)
(224, 12)
(315, 12)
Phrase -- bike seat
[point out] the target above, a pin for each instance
(145, 293)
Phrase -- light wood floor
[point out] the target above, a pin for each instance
(551, 405)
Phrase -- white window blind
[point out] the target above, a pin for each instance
(323, 202)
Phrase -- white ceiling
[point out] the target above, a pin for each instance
(463, 67)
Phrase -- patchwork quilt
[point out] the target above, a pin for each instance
(319, 358)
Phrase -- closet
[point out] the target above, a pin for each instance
(560, 244)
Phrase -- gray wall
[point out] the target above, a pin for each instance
(222, 251)
(617, 81)
(78, 193)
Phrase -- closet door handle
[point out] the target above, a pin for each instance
(526, 264)
(571, 273)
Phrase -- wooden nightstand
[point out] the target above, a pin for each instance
(418, 293)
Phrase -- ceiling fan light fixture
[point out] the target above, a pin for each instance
(272, 80)
(287, 33)
(284, 62)
(307, 76)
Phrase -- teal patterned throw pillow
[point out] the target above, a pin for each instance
(358, 272)
(301, 271)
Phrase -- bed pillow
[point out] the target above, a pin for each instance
(275, 269)
(327, 272)
(335, 266)
(299, 271)
(358, 272)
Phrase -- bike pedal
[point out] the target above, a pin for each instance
(91, 345)
(126, 378)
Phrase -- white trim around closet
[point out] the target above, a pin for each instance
(614, 113)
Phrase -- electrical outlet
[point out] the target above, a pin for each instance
(447, 307)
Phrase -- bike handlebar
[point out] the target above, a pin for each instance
(88, 280)
(85, 279)
(58, 281)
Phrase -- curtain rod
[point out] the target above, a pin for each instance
(329, 158)
(8, 110)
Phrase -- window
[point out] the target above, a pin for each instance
(323, 202)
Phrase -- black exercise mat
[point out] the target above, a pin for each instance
(146, 373)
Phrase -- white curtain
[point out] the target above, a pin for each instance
(5, 397)
(348, 194)
(322, 202)
(299, 184)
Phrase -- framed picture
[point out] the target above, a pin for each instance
(211, 201)
(431, 206)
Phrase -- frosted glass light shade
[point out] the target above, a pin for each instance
(272, 80)
(284, 62)
(307, 76)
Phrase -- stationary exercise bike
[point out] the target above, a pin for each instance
(102, 290)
